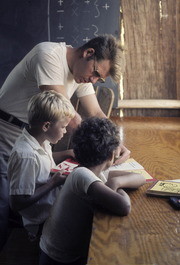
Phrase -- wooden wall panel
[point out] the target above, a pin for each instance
(178, 49)
(150, 28)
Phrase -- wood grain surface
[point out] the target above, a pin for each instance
(152, 49)
(150, 235)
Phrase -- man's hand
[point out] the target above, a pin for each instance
(121, 155)
(74, 123)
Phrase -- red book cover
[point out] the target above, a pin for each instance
(66, 166)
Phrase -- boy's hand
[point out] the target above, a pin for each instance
(58, 178)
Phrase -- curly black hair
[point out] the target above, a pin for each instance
(94, 141)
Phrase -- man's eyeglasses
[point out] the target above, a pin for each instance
(97, 74)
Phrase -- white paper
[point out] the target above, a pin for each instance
(130, 164)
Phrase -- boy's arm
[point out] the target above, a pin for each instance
(115, 202)
(62, 155)
(124, 179)
(19, 202)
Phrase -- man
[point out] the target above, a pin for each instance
(59, 67)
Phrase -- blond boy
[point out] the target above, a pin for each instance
(33, 189)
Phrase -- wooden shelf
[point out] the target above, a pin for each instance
(148, 103)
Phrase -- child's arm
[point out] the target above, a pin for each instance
(124, 179)
(19, 202)
(62, 155)
(115, 202)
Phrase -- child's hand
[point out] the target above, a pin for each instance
(58, 178)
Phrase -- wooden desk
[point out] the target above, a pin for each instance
(150, 235)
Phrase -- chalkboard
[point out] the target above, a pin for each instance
(24, 23)
(78, 21)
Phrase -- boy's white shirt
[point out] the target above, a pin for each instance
(36, 163)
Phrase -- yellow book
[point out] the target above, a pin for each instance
(165, 188)
(132, 165)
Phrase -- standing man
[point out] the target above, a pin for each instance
(59, 67)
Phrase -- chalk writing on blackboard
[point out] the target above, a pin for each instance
(60, 26)
(75, 39)
(78, 21)
(60, 2)
(106, 6)
(25, 23)
(96, 30)
(97, 9)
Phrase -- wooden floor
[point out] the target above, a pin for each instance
(19, 250)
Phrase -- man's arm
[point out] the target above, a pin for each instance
(57, 88)
(61, 89)
(19, 202)
(91, 106)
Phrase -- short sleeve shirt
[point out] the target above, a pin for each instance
(67, 230)
(45, 64)
(28, 168)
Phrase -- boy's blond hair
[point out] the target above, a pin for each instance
(49, 106)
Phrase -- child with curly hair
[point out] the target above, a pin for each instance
(66, 233)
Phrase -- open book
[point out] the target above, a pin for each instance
(130, 165)
(165, 188)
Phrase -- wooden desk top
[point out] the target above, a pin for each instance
(150, 235)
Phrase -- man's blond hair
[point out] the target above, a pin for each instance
(49, 106)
